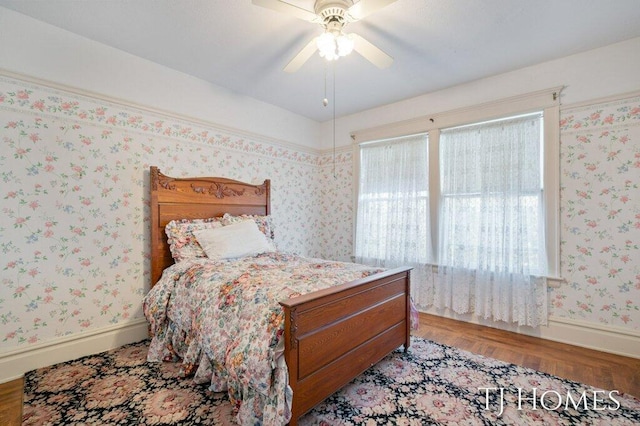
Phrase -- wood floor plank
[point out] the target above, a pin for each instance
(595, 368)
(11, 402)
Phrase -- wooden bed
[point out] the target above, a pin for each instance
(332, 335)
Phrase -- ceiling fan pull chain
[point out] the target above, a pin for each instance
(325, 101)
(333, 68)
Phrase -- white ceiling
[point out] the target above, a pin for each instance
(435, 43)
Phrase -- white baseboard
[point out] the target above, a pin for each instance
(15, 363)
(611, 339)
(615, 340)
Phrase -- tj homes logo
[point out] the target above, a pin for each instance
(534, 399)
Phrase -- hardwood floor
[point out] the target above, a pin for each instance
(11, 402)
(599, 369)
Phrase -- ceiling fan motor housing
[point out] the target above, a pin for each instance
(333, 12)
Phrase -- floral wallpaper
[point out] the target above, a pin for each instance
(74, 220)
(74, 223)
(336, 205)
(600, 214)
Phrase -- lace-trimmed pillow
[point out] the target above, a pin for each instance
(234, 241)
(182, 243)
(265, 225)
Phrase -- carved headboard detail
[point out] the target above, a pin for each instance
(197, 198)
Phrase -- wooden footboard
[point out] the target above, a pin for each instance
(333, 335)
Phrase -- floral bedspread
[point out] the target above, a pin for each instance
(222, 320)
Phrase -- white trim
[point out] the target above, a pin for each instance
(355, 179)
(555, 282)
(551, 179)
(338, 150)
(529, 102)
(14, 363)
(599, 337)
(434, 192)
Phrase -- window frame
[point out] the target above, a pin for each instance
(546, 101)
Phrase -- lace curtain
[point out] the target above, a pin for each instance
(491, 241)
(392, 225)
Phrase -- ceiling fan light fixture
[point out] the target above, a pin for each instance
(345, 44)
(332, 46)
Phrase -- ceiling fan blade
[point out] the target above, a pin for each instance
(370, 52)
(366, 7)
(288, 9)
(302, 56)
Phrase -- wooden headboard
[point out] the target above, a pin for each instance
(197, 198)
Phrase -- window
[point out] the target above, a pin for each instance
(492, 182)
(393, 203)
(491, 196)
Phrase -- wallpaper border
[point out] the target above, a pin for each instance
(598, 101)
(87, 95)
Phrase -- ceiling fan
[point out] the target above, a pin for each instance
(333, 16)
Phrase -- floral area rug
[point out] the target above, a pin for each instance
(432, 384)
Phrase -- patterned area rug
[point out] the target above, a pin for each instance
(432, 384)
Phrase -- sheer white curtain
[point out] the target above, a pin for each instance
(392, 225)
(491, 242)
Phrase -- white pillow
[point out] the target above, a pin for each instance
(232, 241)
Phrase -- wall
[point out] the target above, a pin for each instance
(43, 51)
(74, 166)
(586, 76)
(599, 304)
(81, 124)
(336, 195)
(600, 194)
(74, 224)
